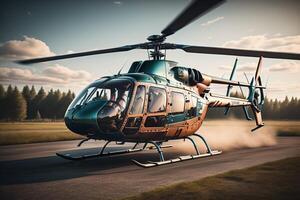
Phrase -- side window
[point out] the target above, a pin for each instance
(134, 122)
(132, 126)
(155, 121)
(193, 107)
(177, 102)
(138, 103)
(157, 100)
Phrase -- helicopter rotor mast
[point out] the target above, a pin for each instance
(193, 11)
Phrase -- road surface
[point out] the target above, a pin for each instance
(32, 171)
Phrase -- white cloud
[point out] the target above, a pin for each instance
(288, 66)
(283, 88)
(55, 75)
(212, 21)
(24, 49)
(119, 3)
(275, 42)
(66, 73)
(244, 67)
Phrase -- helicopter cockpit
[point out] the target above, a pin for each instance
(101, 105)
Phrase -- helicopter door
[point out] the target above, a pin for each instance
(155, 119)
(177, 116)
(135, 115)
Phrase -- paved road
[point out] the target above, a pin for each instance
(33, 171)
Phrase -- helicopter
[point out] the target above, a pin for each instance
(157, 100)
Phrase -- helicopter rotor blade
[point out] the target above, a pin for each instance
(234, 52)
(194, 10)
(86, 53)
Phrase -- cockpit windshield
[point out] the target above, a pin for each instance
(113, 91)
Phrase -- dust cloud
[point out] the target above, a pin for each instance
(229, 135)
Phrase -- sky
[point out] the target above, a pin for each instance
(43, 28)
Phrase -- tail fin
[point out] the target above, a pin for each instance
(256, 95)
(231, 77)
(229, 87)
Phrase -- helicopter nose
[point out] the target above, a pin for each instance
(108, 119)
(83, 119)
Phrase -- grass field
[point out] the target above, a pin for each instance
(275, 180)
(282, 128)
(286, 128)
(30, 132)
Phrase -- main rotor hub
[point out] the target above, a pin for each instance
(156, 38)
(156, 41)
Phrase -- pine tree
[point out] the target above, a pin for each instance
(267, 109)
(36, 103)
(7, 104)
(56, 98)
(49, 104)
(64, 103)
(2, 100)
(284, 109)
(298, 109)
(26, 95)
(276, 109)
(2, 92)
(31, 114)
(291, 109)
(18, 108)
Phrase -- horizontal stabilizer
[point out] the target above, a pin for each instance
(217, 80)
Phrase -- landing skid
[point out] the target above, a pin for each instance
(179, 159)
(156, 145)
(69, 156)
(83, 157)
(162, 161)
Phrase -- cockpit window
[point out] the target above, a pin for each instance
(99, 94)
(113, 91)
(111, 115)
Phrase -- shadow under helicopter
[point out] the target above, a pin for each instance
(53, 168)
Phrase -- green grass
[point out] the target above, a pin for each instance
(274, 180)
(31, 132)
(285, 128)
(281, 128)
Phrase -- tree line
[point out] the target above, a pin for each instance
(273, 109)
(31, 105)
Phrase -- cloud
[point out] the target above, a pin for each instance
(283, 88)
(275, 42)
(288, 66)
(24, 49)
(66, 73)
(244, 67)
(54, 75)
(212, 21)
(119, 3)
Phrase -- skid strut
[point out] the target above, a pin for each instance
(162, 161)
(101, 153)
(156, 145)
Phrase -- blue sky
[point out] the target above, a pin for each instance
(59, 27)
